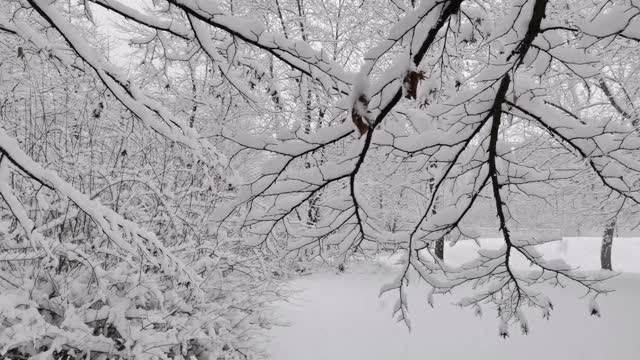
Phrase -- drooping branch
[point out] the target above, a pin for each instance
(111, 223)
(612, 100)
(148, 110)
(298, 55)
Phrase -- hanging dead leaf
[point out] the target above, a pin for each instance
(410, 83)
(360, 122)
(358, 114)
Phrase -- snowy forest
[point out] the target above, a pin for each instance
(170, 168)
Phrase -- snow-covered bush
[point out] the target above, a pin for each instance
(107, 250)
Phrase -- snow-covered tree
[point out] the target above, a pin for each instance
(488, 99)
(245, 130)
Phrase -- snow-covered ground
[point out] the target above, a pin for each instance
(340, 316)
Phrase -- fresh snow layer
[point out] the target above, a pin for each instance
(340, 316)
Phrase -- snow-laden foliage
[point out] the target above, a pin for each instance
(479, 114)
(107, 249)
(158, 178)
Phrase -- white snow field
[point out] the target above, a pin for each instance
(341, 317)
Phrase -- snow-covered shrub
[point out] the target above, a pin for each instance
(83, 308)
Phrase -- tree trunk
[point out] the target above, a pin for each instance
(607, 244)
(439, 248)
(439, 244)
